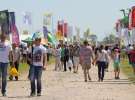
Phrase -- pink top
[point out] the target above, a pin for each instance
(86, 54)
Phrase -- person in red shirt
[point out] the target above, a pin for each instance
(132, 58)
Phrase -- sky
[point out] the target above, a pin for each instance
(99, 15)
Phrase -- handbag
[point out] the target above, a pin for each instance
(13, 71)
(69, 63)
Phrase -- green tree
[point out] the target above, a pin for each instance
(109, 39)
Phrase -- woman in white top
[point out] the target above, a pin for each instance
(101, 59)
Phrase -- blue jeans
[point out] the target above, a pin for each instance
(3, 73)
(30, 71)
(35, 74)
(101, 69)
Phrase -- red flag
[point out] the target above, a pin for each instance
(130, 24)
(60, 27)
(133, 16)
(65, 29)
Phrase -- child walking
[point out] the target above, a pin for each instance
(116, 63)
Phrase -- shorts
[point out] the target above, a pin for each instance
(116, 65)
(75, 61)
(62, 59)
(86, 66)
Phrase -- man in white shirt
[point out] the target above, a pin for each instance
(39, 61)
(5, 50)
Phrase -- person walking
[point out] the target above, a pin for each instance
(62, 55)
(132, 58)
(24, 54)
(76, 50)
(66, 56)
(116, 63)
(39, 62)
(108, 54)
(129, 48)
(15, 59)
(101, 59)
(57, 58)
(29, 58)
(5, 51)
(70, 62)
(86, 57)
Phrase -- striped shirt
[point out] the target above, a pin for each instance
(86, 54)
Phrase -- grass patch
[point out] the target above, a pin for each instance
(51, 60)
(128, 71)
(23, 67)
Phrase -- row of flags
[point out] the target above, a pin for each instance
(125, 26)
(27, 18)
(8, 26)
(130, 21)
(64, 30)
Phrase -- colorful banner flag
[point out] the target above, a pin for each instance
(60, 27)
(70, 32)
(27, 18)
(77, 29)
(51, 39)
(130, 21)
(15, 35)
(47, 20)
(133, 16)
(45, 32)
(118, 27)
(11, 20)
(59, 36)
(4, 22)
(65, 29)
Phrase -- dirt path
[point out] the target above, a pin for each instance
(69, 86)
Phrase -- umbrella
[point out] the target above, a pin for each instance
(28, 40)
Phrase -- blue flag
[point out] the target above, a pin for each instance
(11, 20)
(45, 32)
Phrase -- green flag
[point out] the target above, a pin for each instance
(51, 39)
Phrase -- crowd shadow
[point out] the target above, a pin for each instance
(19, 97)
(106, 81)
(23, 97)
(25, 80)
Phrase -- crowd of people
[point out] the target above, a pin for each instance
(71, 56)
(67, 57)
(86, 55)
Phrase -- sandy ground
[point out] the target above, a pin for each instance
(69, 86)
